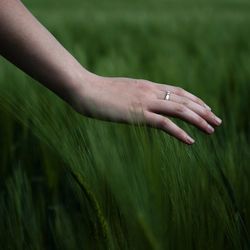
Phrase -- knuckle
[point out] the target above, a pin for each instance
(201, 122)
(179, 132)
(179, 91)
(199, 100)
(182, 134)
(152, 105)
(207, 113)
(185, 102)
(144, 87)
(145, 90)
(180, 109)
(136, 105)
(146, 81)
(163, 123)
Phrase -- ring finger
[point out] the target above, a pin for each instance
(200, 110)
(181, 92)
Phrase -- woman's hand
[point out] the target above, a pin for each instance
(29, 45)
(128, 100)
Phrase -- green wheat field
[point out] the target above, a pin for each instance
(72, 182)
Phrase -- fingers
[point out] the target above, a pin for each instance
(200, 110)
(171, 108)
(183, 105)
(163, 123)
(182, 92)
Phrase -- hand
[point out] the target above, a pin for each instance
(107, 98)
(126, 100)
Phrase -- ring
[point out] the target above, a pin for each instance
(167, 96)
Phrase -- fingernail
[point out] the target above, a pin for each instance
(210, 129)
(217, 120)
(190, 140)
(207, 107)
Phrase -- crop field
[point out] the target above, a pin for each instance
(72, 182)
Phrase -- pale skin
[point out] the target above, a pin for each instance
(25, 42)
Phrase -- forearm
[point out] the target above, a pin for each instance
(29, 45)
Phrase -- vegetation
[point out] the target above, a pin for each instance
(73, 182)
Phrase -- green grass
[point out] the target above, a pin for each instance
(72, 182)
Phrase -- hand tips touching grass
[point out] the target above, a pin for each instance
(128, 100)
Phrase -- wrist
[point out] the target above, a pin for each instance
(81, 85)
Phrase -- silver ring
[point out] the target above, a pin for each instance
(167, 96)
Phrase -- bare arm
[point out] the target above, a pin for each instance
(29, 45)
(32, 48)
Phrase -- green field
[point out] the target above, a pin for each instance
(73, 182)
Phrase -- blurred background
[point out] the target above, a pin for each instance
(71, 182)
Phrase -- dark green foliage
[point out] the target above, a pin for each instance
(72, 182)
